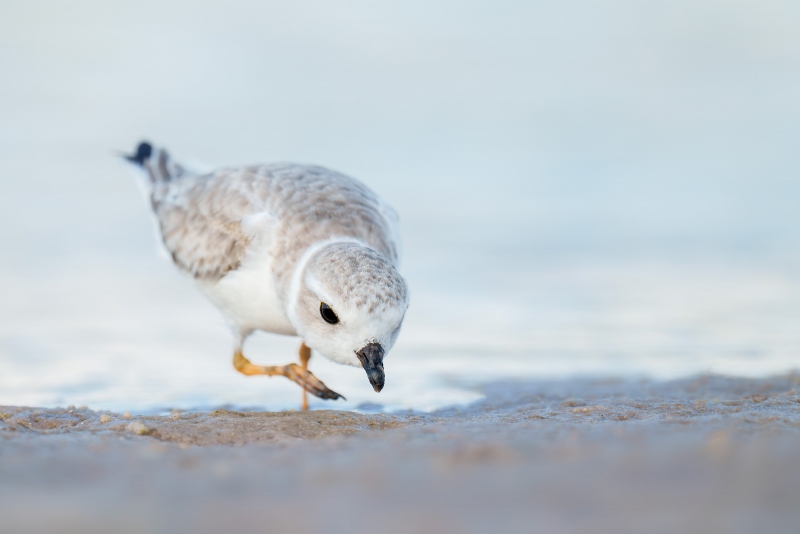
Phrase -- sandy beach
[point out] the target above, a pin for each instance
(708, 454)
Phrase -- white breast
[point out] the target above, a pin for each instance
(248, 296)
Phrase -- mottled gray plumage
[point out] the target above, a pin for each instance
(201, 216)
(269, 244)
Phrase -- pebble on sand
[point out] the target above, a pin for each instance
(138, 428)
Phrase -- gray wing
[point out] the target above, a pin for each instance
(204, 219)
(201, 221)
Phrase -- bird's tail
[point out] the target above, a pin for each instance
(156, 163)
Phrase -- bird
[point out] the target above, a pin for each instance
(292, 249)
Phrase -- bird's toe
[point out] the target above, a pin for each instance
(306, 379)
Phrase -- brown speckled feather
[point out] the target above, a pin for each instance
(203, 217)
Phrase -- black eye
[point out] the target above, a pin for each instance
(327, 313)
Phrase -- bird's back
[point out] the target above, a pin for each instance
(210, 222)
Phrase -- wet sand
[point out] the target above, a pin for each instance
(709, 454)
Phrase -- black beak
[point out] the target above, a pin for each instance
(371, 358)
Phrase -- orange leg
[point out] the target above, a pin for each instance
(305, 355)
(296, 373)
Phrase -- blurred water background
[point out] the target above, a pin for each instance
(586, 188)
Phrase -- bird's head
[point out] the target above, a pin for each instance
(349, 306)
